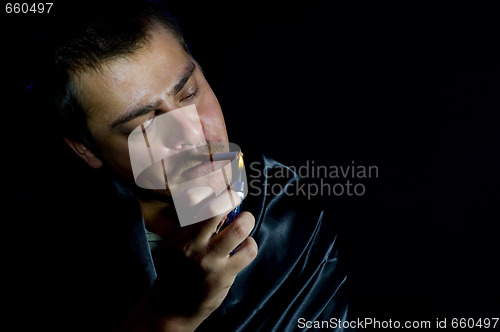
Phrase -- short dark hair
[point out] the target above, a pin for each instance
(110, 31)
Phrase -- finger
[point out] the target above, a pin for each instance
(245, 254)
(223, 243)
(214, 211)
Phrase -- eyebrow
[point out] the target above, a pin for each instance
(142, 110)
(185, 77)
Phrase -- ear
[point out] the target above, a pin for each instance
(81, 151)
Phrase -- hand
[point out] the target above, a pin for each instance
(196, 269)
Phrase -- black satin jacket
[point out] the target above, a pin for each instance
(102, 265)
(297, 279)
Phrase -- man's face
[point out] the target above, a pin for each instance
(128, 91)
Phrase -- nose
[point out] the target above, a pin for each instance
(186, 131)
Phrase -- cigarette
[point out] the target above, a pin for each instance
(226, 156)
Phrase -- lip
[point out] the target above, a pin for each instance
(202, 169)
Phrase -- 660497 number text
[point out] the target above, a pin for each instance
(28, 8)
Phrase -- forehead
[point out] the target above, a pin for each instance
(132, 79)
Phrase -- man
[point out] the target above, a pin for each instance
(115, 73)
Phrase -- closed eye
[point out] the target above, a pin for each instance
(192, 95)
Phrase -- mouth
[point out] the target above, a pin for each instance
(198, 161)
(186, 165)
(201, 169)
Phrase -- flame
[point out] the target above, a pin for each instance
(240, 163)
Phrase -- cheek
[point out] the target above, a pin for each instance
(114, 150)
(118, 158)
(117, 155)
(212, 118)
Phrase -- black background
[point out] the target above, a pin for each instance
(412, 89)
